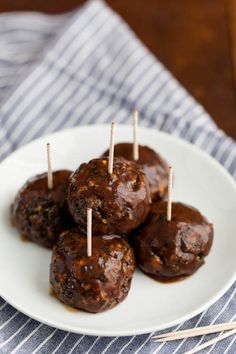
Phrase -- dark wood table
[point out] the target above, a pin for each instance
(195, 39)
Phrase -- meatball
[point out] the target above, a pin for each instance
(155, 168)
(95, 283)
(172, 249)
(41, 214)
(120, 201)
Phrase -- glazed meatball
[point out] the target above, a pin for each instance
(120, 201)
(41, 214)
(172, 249)
(155, 168)
(95, 283)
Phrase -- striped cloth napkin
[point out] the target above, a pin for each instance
(88, 67)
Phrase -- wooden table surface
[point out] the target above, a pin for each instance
(195, 39)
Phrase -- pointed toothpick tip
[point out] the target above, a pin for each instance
(111, 148)
(50, 175)
(135, 135)
(170, 185)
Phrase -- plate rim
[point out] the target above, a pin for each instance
(149, 329)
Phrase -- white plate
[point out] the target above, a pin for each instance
(150, 305)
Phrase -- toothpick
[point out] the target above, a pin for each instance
(111, 149)
(170, 184)
(194, 332)
(135, 132)
(50, 178)
(89, 232)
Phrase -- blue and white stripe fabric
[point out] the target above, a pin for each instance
(88, 67)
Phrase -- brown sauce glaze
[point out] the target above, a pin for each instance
(95, 283)
(39, 213)
(154, 166)
(169, 280)
(68, 308)
(52, 292)
(23, 238)
(120, 201)
(169, 250)
(71, 309)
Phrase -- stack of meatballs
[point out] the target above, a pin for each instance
(129, 226)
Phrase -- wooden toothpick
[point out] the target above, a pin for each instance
(135, 132)
(111, 149)
(89, 232)
(170, 184)
(50, 178)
